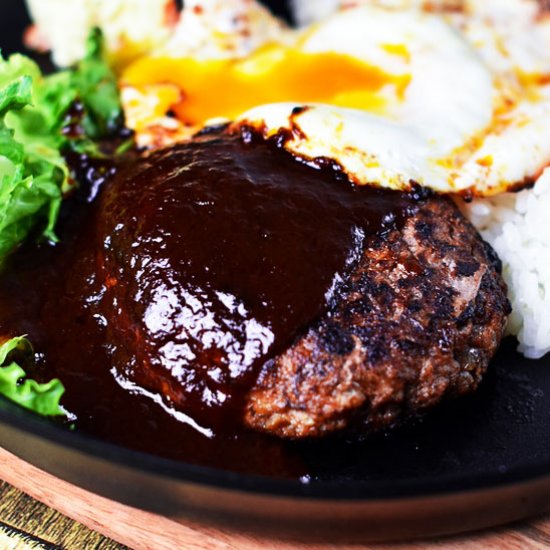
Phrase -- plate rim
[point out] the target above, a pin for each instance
(367, 491)
(388, 490)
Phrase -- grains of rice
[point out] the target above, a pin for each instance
(518, 228)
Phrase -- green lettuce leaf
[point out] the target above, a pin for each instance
(14, 384)
(34, 113)
(97, 87)
(41, 118)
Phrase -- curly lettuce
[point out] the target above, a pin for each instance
(41, 119)
(98, 90)
(14, 384)
(35, 112)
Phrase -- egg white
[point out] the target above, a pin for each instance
(475, 118)
(449, 100)
(210, 29)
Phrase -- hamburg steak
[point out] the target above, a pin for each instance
(243, 286)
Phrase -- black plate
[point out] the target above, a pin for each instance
(476, 462)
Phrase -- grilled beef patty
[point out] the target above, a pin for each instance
(221, 285)
(416, 321)
(240, 283)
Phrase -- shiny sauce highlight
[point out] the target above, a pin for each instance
(179, 277)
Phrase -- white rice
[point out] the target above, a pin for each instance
(518, 228)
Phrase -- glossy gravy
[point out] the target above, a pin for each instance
(178, 278)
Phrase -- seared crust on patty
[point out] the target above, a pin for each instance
(417, 320)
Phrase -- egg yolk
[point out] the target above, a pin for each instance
(211, 89)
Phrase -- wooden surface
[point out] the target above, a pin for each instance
(21, 516)
(144, 531)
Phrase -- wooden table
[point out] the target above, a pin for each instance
(26, 524)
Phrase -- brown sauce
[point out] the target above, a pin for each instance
(177, 280)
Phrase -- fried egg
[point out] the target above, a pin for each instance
(477, 125)
(454, 96)
(413, 134)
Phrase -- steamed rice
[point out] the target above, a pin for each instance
(518, 228)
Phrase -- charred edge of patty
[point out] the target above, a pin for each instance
(417, 321)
